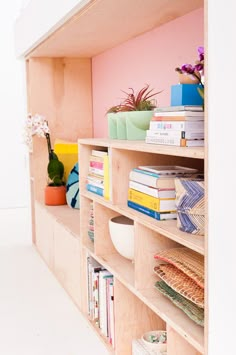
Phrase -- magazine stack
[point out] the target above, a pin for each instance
(181, 126)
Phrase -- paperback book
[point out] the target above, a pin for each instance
(179, 108)
(158, 193)
(99, 153)
(167, 182)
(174, 141)
(153, 203)
(160, 216)
(160, 170)
(177, 125)
(174, 113)
(197, 134)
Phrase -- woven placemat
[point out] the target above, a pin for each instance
(186, 260)
(181, 283)
(190, 203)
(188, 307)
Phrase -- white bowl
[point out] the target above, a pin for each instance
(121, 231)
(160, 347)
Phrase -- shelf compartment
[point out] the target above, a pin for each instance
(166, 228)
(174, 317)
(85, 151)
(124, 161)
(159, 304)
(121, 268)
(138, 318)
(148, 243)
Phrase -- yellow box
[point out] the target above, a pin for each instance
(67, 152)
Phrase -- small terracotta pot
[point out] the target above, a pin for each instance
(188, 79)
(55, 195)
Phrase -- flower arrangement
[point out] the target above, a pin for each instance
(37, 125)
(140, 101)
(195, 71)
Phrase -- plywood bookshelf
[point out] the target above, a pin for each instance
(150, 235)
(59, 83)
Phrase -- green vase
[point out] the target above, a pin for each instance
(137, 123)
(121, 125)
(112, 125)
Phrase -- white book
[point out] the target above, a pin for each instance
(179, 113)
(158, 193)
(167, 170)
(96, 171)
(197, 134)
(175, 141)
(177, 125)
(103, 301)
(99, 153)
(94, 183)
(112, 315)
(179, 108)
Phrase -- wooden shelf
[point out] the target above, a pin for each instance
(120, 267)
(123, 270)
(60, 61)
(167, 228)
(68, 217)
(97, 25)
(141, 146)
(174, 317)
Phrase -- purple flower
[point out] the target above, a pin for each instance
(201, 53)
(188, 68)
(199, 67)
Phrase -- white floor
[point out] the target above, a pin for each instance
(37, 317)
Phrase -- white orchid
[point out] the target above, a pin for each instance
(35, 125)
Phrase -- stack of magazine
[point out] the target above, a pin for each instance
(181, 126)
(152, 189)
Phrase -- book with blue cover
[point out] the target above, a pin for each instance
(160, 216)
(95, 189)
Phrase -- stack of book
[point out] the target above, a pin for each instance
(152, 189)
(98, 175)
(181, 126)
(91, 223)
(101, 298)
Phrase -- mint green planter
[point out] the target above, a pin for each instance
(137, 123)
(112, 125)
(121, 125)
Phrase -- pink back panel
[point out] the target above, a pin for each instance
(147, 59)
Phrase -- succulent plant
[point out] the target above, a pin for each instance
(141, 101)
(55, 167)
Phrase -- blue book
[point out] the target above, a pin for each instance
(147, 172)
(94, 189)
(160, 216)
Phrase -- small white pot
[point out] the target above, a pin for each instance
(159, 347)
(121, 231)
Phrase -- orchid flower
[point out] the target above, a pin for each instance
(195, 70)
(35, 125)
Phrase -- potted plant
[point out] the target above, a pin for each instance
(130, 119)
(55, 191)
(194, 74)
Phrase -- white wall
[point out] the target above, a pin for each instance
(222, 176)
(13, 154)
